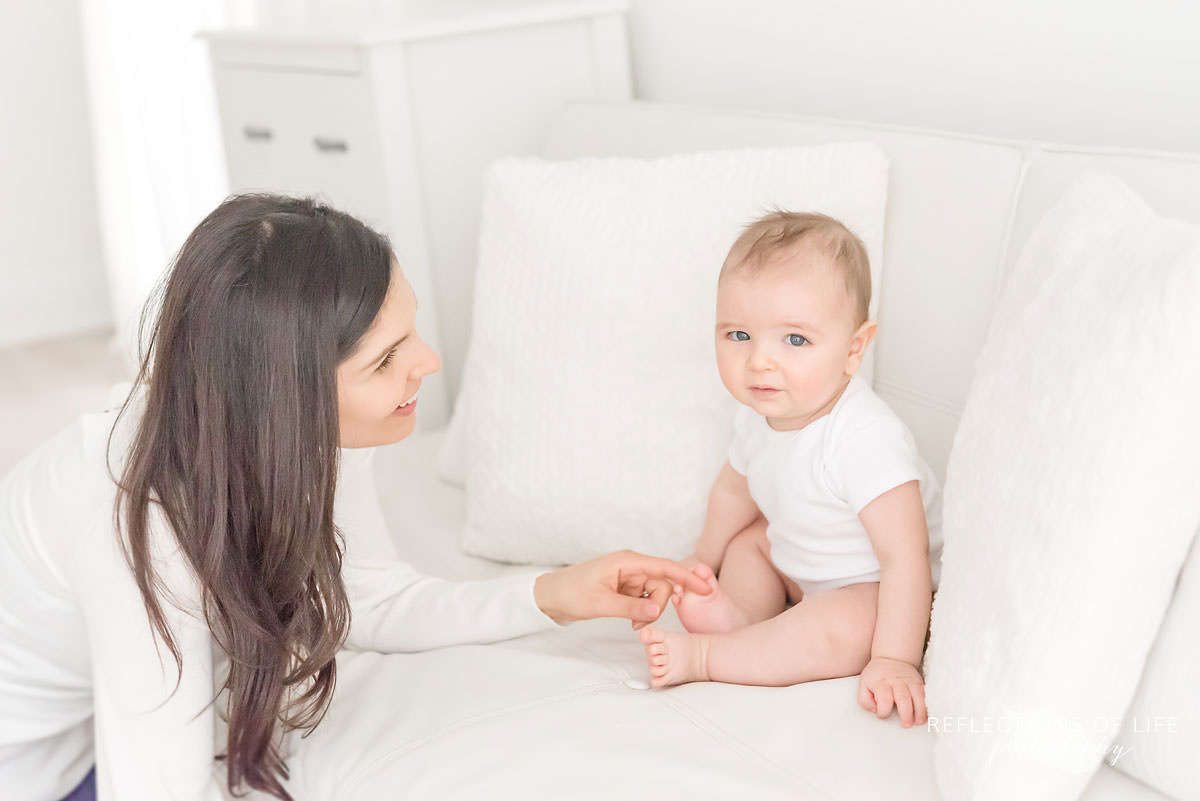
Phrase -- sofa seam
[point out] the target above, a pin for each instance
(1028, 153)
(651, 107)
(926, 399)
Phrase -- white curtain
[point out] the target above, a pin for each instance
(159, 160)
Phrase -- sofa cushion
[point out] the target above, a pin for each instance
(1070, 497)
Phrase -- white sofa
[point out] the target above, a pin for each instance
(564, 714)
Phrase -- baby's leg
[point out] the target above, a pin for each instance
(825, 636)
(750, 589)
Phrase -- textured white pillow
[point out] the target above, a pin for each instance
(1160, 736)
(594, 415)
(1070, 499)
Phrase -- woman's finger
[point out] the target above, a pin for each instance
(659, 591)
(655, 567)
(615, 604)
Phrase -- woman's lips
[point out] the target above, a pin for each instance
(405, 409)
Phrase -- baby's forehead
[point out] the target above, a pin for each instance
(796, 266)
(776, 289)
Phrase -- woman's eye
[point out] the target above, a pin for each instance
(383, 365)
(797, 340)
(739, 336)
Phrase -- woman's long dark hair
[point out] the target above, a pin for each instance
(238, 446)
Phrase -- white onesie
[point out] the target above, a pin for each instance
(811, 484)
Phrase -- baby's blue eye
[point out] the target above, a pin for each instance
(797, 340)
(739, 336)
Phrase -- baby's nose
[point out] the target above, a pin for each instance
(760, 360)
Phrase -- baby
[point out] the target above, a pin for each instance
(821, 524)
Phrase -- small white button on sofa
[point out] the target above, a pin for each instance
(565, 713)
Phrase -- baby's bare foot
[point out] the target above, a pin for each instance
(675, 657)
(715, 613)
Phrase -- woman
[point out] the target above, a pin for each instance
(226, 513)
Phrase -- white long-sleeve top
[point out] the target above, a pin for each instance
(83, 679)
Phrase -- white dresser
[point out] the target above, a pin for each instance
(393, 112)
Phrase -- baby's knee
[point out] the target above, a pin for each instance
(841, 647)
(752, 536)
(847, 635)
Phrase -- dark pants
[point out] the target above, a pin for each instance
(86, 791)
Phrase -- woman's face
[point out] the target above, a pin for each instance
(378, 382)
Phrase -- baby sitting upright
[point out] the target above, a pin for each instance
(823, 527)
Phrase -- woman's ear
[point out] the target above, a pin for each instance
(858, 346)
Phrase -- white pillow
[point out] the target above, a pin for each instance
(1070, 499)
(595, 418)
(1160, 732)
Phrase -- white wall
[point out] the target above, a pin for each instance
(1094, 72)
(52, 278)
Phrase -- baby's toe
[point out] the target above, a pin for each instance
(650, 635)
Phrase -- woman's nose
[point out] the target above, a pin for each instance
(430, 362)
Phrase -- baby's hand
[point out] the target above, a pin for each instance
(886, 682)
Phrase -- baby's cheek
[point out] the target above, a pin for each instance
(726, 367)
(730, 382)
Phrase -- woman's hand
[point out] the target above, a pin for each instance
(622, 584)
(886, 682)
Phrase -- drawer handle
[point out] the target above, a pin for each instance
(257, 133)
(330, 145)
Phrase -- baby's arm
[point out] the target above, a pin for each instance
(895, 522)
(730, 509)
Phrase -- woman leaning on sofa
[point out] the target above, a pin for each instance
(226, 513)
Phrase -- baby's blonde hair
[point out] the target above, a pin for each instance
(783, 233)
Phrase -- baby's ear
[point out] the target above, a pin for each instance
(858, 345)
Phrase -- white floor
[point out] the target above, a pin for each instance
(45, 386)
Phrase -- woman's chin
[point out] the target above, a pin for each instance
(387, 432)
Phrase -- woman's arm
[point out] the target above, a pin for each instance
(395, 608)
(152, 739)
